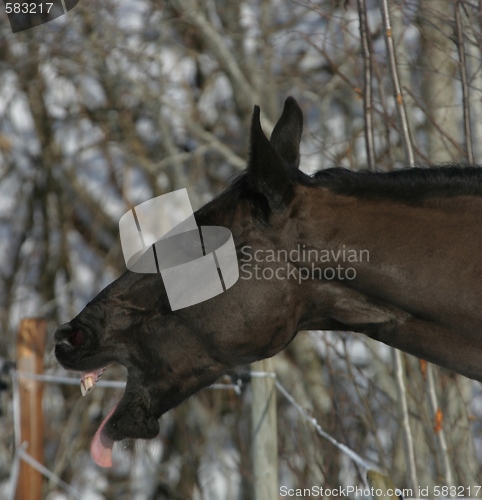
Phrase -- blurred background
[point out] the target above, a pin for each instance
(123, 100)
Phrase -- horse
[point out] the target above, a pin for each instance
(394, 256)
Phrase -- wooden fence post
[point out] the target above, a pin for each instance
(264, 433)
(31, 339)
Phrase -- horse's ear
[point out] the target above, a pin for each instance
(266, 171)
(287, 132)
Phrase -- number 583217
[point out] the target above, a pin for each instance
(28, 7)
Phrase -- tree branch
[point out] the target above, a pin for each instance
(407, 144)
(367, 83)
(465, 87)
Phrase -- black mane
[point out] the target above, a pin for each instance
(408, 185)
(411, 184)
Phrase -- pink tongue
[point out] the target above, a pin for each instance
(101, 446)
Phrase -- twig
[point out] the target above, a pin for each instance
(407, 144)
(384, 113)
(465, 88)
(407, 431)
(365, 404)
(367, 84)
(216, 145)
(243, 91)
(433, 122)
(333, 66)
(177, 175)
(440, 434)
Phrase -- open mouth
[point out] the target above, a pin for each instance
(101, 446)
(89, 379)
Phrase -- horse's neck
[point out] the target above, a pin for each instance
(329, 220)
(332, 221)
(410, 255)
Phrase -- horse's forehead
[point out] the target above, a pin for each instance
(249, 218)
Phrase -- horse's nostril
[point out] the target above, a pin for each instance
(67, 336)
(77, 338)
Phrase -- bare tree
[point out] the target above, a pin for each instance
(121, 101)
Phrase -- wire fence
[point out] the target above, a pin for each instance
(22, 454)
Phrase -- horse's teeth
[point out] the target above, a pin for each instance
(86, 385)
